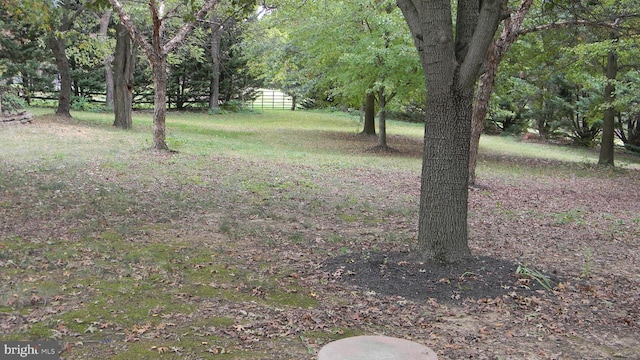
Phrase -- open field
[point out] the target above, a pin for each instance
(268, 235)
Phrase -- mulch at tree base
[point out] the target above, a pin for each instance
(406, 275)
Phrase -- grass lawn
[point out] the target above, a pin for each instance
(269, 234)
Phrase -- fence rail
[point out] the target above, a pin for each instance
(266, 99)
(272, 99)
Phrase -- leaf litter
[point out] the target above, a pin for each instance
(171, 259)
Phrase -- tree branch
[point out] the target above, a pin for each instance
(412, 15)
(511, 29)
(613, 24)
(466, 23)
(133, 30)
(182, 33)
(487, 24)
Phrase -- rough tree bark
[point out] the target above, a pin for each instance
(157, 52)
(451, 59)
(216, 36)
(382, 119)
(608, 125)
(123, 68)
(369, 114)
(108, 70)
(58, 46)
(498, 49)
(158, 61)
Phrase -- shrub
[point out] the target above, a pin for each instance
(9, 100)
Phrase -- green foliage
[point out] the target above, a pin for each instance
(542, 83)
(24, 59)
(362, 46)
(509, 109)
(526, 272)
(587, 266)
(82, 103)
(10, 100)
(236, 81)
(236, 106)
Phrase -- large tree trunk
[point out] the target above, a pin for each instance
(442, 231)
(608, 126)
(123, 67)
(369, 114)
(451, 59)
(499, 48)
(58, 47)
(216, 36)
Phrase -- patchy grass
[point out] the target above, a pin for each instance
(121, 252)
(513, 150)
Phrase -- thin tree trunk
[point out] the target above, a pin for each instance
(369, 114)
(481, 104)
(108, 70)
(124, 66)
(608, 126)
(156, 52)
(109, 82)
(160, 103)
(382, 119)
(58, 46)
(216, 36)
(158, 60)
(294, 99)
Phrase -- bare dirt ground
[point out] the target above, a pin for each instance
(300, 255)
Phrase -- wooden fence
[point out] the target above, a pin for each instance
(267, 99)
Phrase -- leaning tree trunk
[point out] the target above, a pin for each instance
(608, 125)
(58, 47)
(499, 48)
(123, 68)
(369, 114)
(481, 104)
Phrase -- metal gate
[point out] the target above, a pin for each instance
(272, 99)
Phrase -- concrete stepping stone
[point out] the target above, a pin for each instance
(375, 348)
